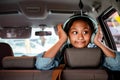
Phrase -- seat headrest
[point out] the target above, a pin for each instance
(23, 62)
(83, 57)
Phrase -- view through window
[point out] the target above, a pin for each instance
(34, 45)
(114, 25)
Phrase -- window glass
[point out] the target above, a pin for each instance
(33, 45)
(114, 25)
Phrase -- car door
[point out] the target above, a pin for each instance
(110, 24)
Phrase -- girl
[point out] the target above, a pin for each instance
(80, 30)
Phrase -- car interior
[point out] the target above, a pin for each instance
(29, 27)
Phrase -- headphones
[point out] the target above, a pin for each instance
(92, 23)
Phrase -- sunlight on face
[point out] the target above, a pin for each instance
(80, 34)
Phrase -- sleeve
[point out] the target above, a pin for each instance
(113, 63)
(45, 63)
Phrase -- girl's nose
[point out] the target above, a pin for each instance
(80, 37)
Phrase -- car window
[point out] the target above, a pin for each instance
(33, 45)
(114, 25)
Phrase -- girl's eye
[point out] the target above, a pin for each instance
(74, 32)
(85, 32)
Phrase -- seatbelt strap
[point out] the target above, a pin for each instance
(56, 74)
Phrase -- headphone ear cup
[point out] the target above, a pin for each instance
(92, 37)
(93, 34)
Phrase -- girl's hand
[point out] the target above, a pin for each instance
(98, 36)
(106, 50)
(62, 35)
(51, 53)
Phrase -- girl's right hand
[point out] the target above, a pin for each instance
(61, 33)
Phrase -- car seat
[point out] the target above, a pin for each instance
(84, 64)
(5, 50)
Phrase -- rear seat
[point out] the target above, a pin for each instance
(81, 64)
(22, 68)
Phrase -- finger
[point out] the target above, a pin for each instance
(100, 31)
(99, 27)
(59, 26)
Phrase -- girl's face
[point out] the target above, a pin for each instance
(80, 34)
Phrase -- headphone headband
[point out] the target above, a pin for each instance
(92, 22)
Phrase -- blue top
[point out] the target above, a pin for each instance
(113, 63)
(46, 63)
(50, 63)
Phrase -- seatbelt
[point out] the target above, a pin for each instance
(56, 74)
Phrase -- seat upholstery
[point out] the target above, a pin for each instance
(5, 50)
(83, 57)
(84, 64)
(24, 62)
(84, 74)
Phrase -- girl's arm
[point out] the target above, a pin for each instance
(97, 40)
(51, 53)
(46, 60)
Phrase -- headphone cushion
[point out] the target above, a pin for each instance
(93, 34)
(92, 37)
